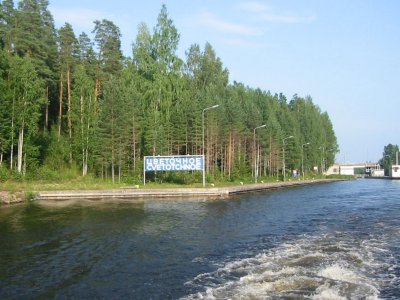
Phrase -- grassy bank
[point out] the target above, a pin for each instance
(88, 183)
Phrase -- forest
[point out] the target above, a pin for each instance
(74, 106)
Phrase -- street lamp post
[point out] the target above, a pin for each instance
(283, 150)
(204, 158)
(302, 158)
(255, 153)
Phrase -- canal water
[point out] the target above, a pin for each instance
(330, 241)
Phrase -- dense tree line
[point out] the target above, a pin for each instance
(67, 102)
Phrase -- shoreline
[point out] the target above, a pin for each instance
(210, 193)
(8, 198)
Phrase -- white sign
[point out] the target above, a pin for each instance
(174, 163)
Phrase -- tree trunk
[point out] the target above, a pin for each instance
(82, 138)
(12, 133)
(112, 166)
(20, 148)
(69, 113)
(85, 162)
(119, 168)
(86, 156)
(46, 113)
(106, 170)
(24, 165)
(60, 106)
(265, 165)
(120, 160)
(11, 155)
(230, 151)
(270, 156)
(97, 88)
(133, 143)
(186, 138)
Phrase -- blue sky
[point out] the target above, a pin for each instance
(344, 54)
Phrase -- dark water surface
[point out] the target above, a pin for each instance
(331, 241)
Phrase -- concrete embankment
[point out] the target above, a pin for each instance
(143, 193)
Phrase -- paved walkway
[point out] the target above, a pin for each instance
(141, 193)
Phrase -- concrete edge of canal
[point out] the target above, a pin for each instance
(212, 193)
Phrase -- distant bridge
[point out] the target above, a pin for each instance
(349, 169)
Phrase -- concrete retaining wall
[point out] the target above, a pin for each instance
(133, 193)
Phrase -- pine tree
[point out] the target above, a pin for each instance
(68, 51)
(7, 12)
(166, 76)
(107, 37)
(113, 124)
(87, 56)
(5, 111)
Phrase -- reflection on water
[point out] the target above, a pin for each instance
(333, 241)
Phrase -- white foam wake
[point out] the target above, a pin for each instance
(331, 266)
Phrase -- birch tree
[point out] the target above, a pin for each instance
(83, 116)
(28, 93)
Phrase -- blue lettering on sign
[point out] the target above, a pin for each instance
(173, 163)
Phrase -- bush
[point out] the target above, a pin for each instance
(31, 196)
(46, 173)
(50, 173)
(4, 174)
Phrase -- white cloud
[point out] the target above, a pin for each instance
(266, 13)
(211, 21)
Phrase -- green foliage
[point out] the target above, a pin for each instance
(50, 173)
(110, 111)
(56, 154)
(31, 196)
(107, 36)
(388, 157)
(4, 174)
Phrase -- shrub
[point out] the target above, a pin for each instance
(30, 196)
(4, 174)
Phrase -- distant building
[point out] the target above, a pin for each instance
(360, 169)
(378, 173)
(395, 171)
(333, 170)
(346, 170)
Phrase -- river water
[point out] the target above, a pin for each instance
(330, 241)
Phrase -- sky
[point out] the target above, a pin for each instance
(344, 54)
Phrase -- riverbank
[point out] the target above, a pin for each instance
(7, 197)
(140, 193)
